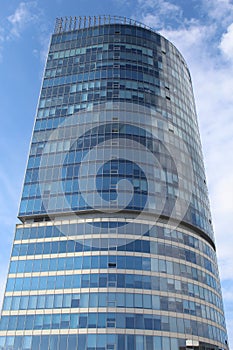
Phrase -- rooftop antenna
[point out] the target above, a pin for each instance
(61, 25)
(65, 24)
(70, 23)
(57, 25)
(75, 19)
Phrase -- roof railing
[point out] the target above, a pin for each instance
(66, 24)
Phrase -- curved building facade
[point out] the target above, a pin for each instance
(115, 249)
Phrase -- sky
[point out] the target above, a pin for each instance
(203, 32)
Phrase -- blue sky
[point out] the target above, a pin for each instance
(201, 29)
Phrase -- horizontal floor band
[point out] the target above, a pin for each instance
(111, 310)
(113, 253)
(116, 290)
(162, 221)
(110, 235)
(109, 331)
(123, 271)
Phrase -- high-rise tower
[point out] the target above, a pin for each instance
(115, 248)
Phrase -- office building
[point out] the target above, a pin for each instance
(115, 247)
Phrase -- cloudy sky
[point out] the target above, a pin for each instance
(201, 29)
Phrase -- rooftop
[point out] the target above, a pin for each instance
(66, 24)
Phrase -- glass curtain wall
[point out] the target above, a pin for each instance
(115, 249)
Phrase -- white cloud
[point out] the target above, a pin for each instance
(164, 6)
(219, 10)
(226, 44)
(225, 185)
(1, 34)
(153, 13)
(228, 292)
(188, 38)
(2, 39)
(150, 20)
(25, 13)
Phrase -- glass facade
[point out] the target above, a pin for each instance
(115, 249)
